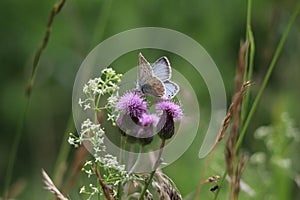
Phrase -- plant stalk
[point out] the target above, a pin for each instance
(157, 163)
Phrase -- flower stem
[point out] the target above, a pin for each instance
(220, 184)
(64, 151)
(249, 61)
(96, 108)
(154, 170)
(104, 187)
(13, 153)
(123, 144)
(147, 185)
(130, 157)
(137, 160)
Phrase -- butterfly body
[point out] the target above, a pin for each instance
(155, 89)
(155, 80)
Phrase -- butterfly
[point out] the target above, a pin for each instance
(155, 80)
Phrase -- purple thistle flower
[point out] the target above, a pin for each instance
(170, 112)
(170, 108)
(132, 104)
(135, 123)
(148, 119)
(145, 133)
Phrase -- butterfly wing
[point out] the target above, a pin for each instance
(162, 69)
(146, 82)
(144, 71)
(171, 89)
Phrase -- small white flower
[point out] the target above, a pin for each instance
(80, 102)
(85, 89)
(97, 149)
(111, 89)
(97, 90)
(112, 84)
(92, 82)
(87, 106)
(71, 140)
(89, 173)
(82, 189)
(81, 139)
(98, 159)
(95, 190)
(87, 123)
(100, 81)
(100, 140)
(112, 100)
(89, 162)
(111, 117)
(108, 71)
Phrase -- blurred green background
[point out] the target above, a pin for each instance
(218, 26)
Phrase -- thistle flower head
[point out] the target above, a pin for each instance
(170, 108)
(170, 112)
(148, 119)
(132, 103)
(145, 132)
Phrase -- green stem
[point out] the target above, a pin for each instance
(248, 27)
(154, 170)
(96, 104)
(147, 185)
(64, 150)
(130, 156)
(123, 144)
(249, 61)
(138, 159)
(220, 184)
(252, 52)
(245, 102)
(119, 191)
(56, 8)
(14, 150)
(268, 74)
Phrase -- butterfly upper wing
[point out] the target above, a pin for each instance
(146, 82)
(162, 69)
(171, 89)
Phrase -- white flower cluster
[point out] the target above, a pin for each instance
(112, 114)
(110, 162)
(90, 132)
(94, 135)
(88, 168)
(95, 88)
